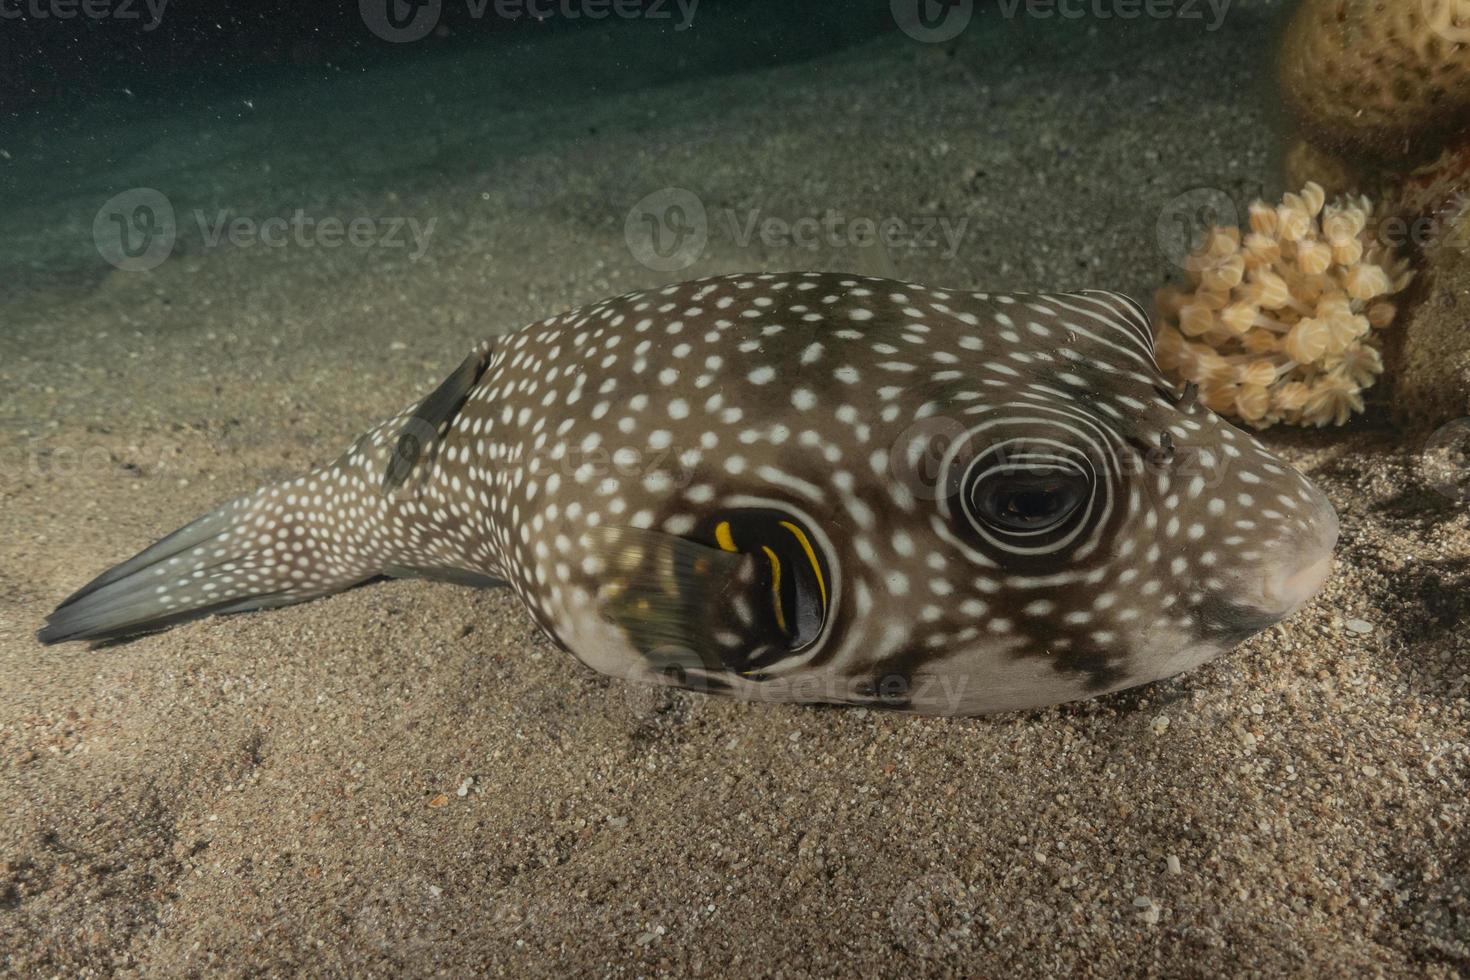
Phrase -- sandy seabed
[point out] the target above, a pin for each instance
(408, 779)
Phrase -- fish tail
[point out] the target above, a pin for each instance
(271, 548)
(374, 512)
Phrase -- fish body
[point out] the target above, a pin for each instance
(797, 487)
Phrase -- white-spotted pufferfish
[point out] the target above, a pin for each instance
(799, 487)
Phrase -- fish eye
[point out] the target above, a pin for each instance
(1025, 500)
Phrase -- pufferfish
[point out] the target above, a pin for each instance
(805, 487)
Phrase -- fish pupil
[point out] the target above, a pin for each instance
(1032, 506)
(1025, 502)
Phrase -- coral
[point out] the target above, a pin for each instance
(1432, 368)
(1305, 162)
(1278, 325)
(1387, 79)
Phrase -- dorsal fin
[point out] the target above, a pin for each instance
(431, 419)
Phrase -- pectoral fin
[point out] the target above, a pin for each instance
(683, 604)
(757, 595)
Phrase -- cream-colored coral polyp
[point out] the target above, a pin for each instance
(1279, 325)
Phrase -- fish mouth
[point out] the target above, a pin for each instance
(1289, 587)
(1279, 590)
(1232, 621)
(1290, 591)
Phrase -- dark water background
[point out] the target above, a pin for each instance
(325, 106)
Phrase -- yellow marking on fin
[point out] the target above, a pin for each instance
(723, 536)
(776, 587)
(811, 556)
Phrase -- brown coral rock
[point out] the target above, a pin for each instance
(1386, 79)
(1306, 163)
(1432, 384)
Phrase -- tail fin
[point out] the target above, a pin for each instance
(263, 550)
(356, 519)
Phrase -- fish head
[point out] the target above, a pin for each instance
(1089, 514)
